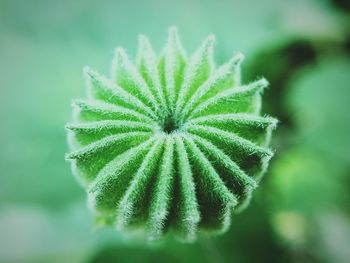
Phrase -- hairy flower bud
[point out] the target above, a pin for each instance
(170, 143)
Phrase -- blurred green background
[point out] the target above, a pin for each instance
(301, 212)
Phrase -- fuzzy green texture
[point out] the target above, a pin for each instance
(170, 143)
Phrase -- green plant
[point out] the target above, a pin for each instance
(171, 144)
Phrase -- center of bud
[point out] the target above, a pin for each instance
(170, 125)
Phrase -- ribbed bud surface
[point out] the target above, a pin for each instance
(169, 143)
